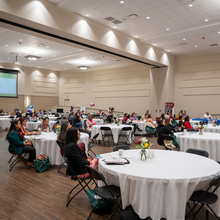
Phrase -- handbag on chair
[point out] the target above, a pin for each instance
(42, 163)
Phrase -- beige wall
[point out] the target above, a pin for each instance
(197, 83)
(40, 86)
(126, 89)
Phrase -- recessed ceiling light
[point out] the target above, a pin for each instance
(70, 52)
(184, 38)
(148, 17)
(195, 45)
(49, 65)
(87, 15)
(168, 50)
(47, 46)
(136, 36)
(6, 45)
(54, 55)
(219, 32)
(114, 27)
(90, 57)
(154, 44)
(61, 62)
(106, 61)
(206, 19)
(121, 2)
(65, 67)
(190, 5)
(167, 29)
(8, 57)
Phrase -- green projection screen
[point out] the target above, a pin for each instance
(8, 83)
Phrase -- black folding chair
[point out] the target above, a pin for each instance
(61, 144)
(18, 158)
(92, 144)
(106, 192)
(125, 132)
(106, 132)
(81, 182)
(123, 147)
(166, 137)
(198, 152)
(205, 198)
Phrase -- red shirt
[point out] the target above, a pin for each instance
(188, 125)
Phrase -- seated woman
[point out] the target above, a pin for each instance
(128, 119)
(161, 129)
(33, 118)
(89, 123)
(62, 138)
(45, 125)
(23, 122)
(149, 119)
(181, 123)
(162, 117)
(187, 123)
(133, 116)
(124, 118)
(75, 156)
(18, 144)
(77, 120)
(103, 117)
(168, 124)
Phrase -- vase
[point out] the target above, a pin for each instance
(201, 132)
(118, 123)
(143, 154)
(214, 124)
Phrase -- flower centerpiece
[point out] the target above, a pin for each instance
(118, 121)
(215, 123)
(143, 144)
(41, 118)
(57, 129)
(201, 129)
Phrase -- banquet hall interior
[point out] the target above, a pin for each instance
(138, 79)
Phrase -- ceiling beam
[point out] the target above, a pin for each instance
(61, 3)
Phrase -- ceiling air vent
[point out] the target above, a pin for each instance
(116, 22)
(109, 18)
(185, 1)
(133, 16)
(213, 45)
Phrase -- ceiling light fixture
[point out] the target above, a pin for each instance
(83, 67)
(70, 52)
(121, 2)
(206, 19)
(16, 60)
(167, 29)
(54, 55)
(6, 45)
(195, 45)
(190, 5)
(114, 27)
(32, 57)
(87, 15)
(47, 46)
(219, 32)
(148, 17)
(136, 36)
(184, 38)
(8, 57)
(154, 44)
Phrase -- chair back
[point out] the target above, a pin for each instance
(167, 137)
(198, 152)
(95, 137)
(123, 147)
(105, 129)
(96, 175)
(215, 181)
(60, 143)
(126, 128)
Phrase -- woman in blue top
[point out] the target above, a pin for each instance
(133, 116)
(18, 144)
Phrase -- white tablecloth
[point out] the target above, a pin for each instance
(194, 122)
(141, 125)
(4, 116)
(48, 146)
(97, 121)
(115, 131)
(211, 128)
(34, 125)
(5, 123)
(208, 141)
(160, 187)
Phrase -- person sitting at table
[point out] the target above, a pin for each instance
(181, 123)
(110, 114)
(23, 122)
(103, 117)
(149, 119)
(145, 114)
(40, 113)
(18, 114)
(77, 120)
(128, 119)
(187, 123)
(75, 155)
(71, 109)
(207, 116)
(49, 111)
(82, 113)
(168, 124)
(124, 118)
(89, 123)
(133, 116)
(162, 129)
(45, 125)
(32, 118)
(44, 112)
(2, 111)
(180, 114)
(18, 144)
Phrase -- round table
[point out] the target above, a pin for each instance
(5, 123)
(98, 121)
(34, 125)
(115, 131)
(160, 187)
(211, 128)
(208, 141)
(46, 144)
(141, 125)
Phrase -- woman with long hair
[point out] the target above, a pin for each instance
(23, 122)
(162, 129)
(89, 123)
(77, 120)
(45, 125)
(75, 156)
(18, 144)
(124, 118)
(187, 123)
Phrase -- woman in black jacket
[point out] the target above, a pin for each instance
(168, 124)
(75, 155)
(162, 129)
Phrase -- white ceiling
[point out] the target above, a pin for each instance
(183, 21)
(54, 55)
